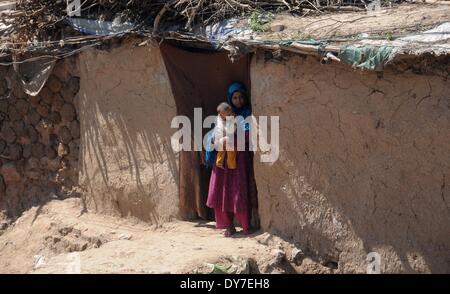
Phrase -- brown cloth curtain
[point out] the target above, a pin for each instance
(200, 79)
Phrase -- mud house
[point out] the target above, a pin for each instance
(364, 161)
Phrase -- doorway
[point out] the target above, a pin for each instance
(199, 79)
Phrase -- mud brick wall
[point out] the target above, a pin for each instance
(127, 165)
(364, 163)
(39, 140)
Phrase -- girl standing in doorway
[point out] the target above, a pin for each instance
(229, 189)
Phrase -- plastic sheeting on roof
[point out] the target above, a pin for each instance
(434, 41)
(438, 34)
(100, 28)
(220, 32)
(368, 57)
(5, 27)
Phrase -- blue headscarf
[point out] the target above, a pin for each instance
(244, 111)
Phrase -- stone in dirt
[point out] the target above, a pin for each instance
(296, 254)
(310, 266)
(265, 238)
(3, 224)
(278, 255)
(39, 261)
(125, 236)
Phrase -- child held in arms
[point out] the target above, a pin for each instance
(224, 136)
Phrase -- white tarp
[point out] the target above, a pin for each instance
(440, 33)
(5, 23)
(100, 28)
(222, 31)
(435, 41)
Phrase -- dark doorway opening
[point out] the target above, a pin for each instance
(199, 79)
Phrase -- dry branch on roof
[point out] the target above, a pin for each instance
(44, 19)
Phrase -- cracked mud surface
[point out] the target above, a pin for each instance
(363, 163)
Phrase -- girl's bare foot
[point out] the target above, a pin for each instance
(229, 232)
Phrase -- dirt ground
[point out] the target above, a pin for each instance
(50, 238)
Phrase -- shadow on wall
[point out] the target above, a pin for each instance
(126, 106)
(362, 167)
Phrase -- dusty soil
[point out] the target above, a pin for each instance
(46, 239)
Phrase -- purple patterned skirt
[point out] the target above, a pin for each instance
(228, 188)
